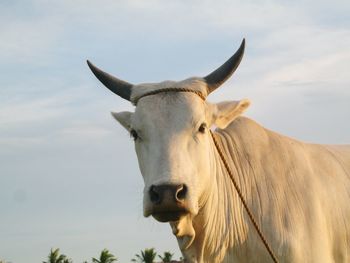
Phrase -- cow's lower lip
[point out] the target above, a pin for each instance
(169, 216)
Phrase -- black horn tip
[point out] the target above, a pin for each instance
(242, 46)
(93, 68)
(89, 64)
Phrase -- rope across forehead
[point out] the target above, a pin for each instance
(153, 92)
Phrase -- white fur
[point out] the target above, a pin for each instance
(298, 192)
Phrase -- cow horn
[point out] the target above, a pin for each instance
(221, 74)
(117, 86)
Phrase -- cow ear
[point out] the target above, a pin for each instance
(124, 118)
(225, 112)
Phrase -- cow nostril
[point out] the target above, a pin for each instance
(154, 195)
(181, 193)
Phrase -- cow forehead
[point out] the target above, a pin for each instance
(170, 109)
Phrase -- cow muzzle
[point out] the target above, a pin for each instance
(168, 202)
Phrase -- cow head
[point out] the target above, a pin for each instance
(172, 140)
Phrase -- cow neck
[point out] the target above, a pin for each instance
(222, 212)
(238, 189)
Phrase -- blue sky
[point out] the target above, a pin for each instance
(68, 172)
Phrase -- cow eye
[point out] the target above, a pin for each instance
(202, 128)
(134, 134)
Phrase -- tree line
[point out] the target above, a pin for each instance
(149, 255)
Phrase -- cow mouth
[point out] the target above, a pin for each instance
(169, 216)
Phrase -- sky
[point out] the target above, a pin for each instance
(68, 172)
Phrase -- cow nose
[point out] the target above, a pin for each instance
(167, 192)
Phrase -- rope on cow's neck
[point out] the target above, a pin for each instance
(239, 192)
(222, 157)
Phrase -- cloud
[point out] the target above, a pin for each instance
(314, 59)
(85, 131)
(21, 111)
(27, 39)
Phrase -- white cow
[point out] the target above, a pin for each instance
(299, 193)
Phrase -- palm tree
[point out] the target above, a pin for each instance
(56, 257)
(105, 257)
(147, 256)
(167, 257)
